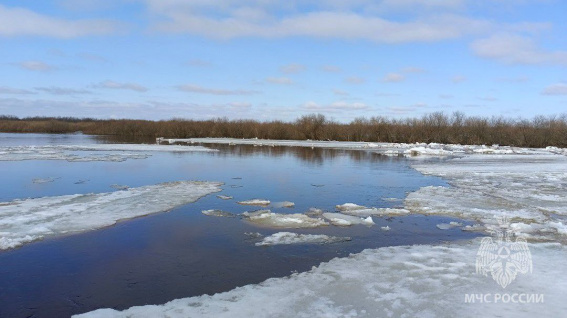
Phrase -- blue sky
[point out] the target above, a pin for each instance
(264, 59)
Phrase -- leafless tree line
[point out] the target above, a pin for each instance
(437, 127)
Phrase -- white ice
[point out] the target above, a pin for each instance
(529, 189)
(218, 213)
(347, 220)
(284, 204)
(365, 212)
(94, 152)
(278, 220)
(285, 238)
(259, 202)
(23, 221)
(391, 149)
(403, 281)
(450, 225)
(224, 197)
(527, 185)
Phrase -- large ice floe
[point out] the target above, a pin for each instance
(286, 238)
(529, 189)
(403, 281)
(94, 152)
(27, 220)
(268, 218)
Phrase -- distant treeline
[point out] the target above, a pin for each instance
(437, 127)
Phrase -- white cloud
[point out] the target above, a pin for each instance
(151, 110)
(63, 91)
(406, 110)
(197, 17)
(340, 92)
(190, 88)
(199, 63)
(92, 57)
(412, 4)
(458, 79)
(279, 80)
(23, 22)
(394, 78)
(516, 49)
(125, 86)
(336, 107)
(293, 68)
(37, 66)
(331, 68)
(14, 91)
(519, 79)
(355, 80)
(413, 69)
(556, 89)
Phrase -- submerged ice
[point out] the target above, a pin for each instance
(286, 238)
(26, 220)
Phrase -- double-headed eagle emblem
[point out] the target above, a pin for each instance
(503, 258)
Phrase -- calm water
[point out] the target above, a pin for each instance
(182, 253)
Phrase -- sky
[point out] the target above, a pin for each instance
(266, 60)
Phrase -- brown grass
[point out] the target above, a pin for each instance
(435, 127)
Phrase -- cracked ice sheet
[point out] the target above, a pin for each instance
(102, 152)
(529, 189)
(403, 281)
(23, 221)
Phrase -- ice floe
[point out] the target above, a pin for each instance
(279, 220)
(119, 187)
(527, 189)
(347, 220)
(94, 152)
(295, 238)
(358, 210)
(385, 228)
(218, 213)
(43, 180)
(403, 281)
(224, 197)
(450, 225)
(259, 202)
(284, 204)
(26, 220)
